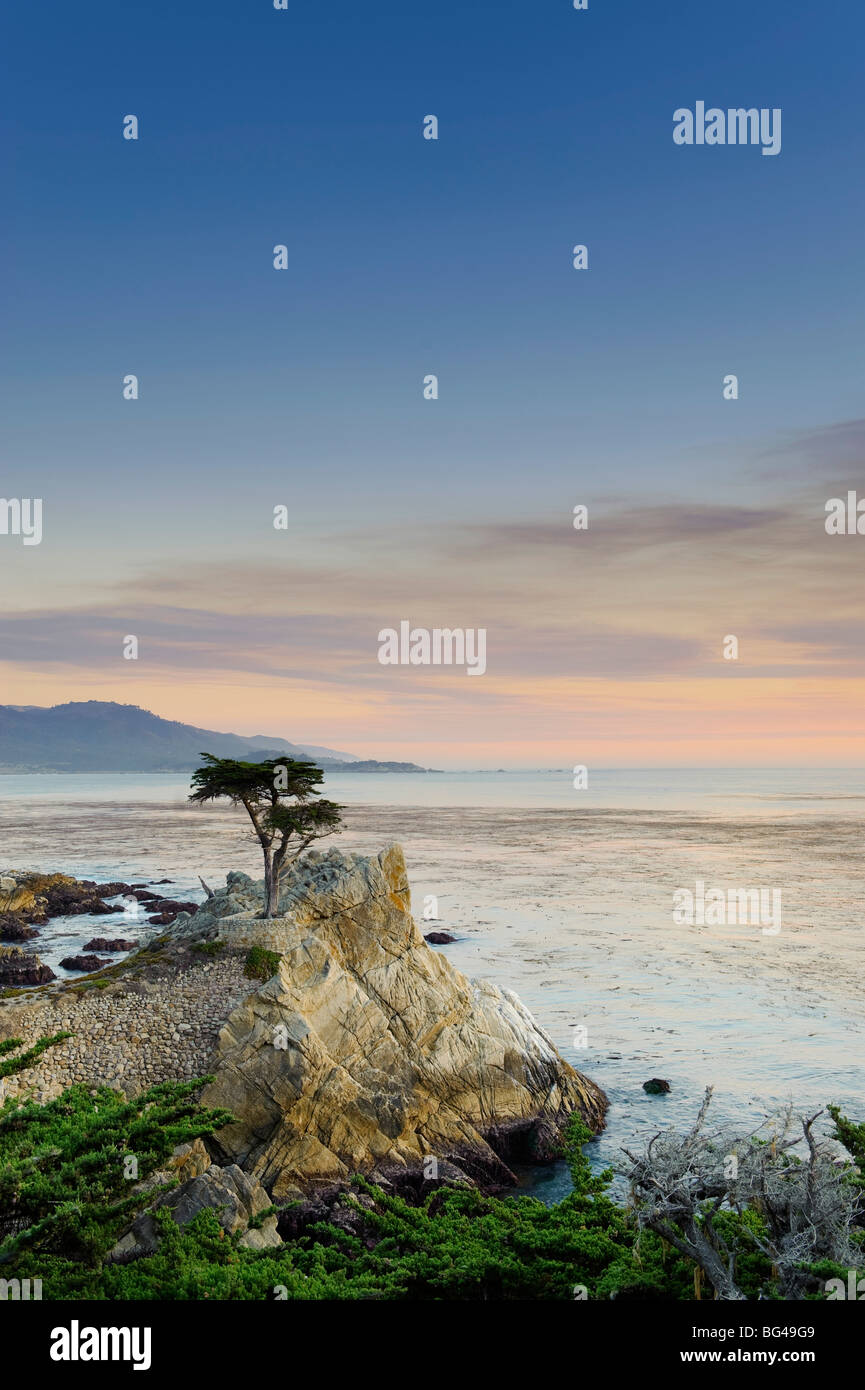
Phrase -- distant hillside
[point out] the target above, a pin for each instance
(101, 736)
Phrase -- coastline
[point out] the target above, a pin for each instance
(338, 1040)
(392, 1058)
(571, 909)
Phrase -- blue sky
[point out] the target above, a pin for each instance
(408, 257)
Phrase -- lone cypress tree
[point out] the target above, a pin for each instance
(277, 796)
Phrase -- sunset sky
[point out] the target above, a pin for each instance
(557, 387)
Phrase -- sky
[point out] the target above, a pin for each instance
(558, 387)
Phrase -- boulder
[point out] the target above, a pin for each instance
(187, 1161)
(368, 1052)
(107, 890)
(14, 928)
(234, 1197)
(18, 967)
(656, 1086)
(86, 963)
(104, 943)
(26, 904)
(240, 895)
(439, 938)
(169, 909)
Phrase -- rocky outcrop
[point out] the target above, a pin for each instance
(169, 911)
(104, 943)
(19, 968)
(85, 963)
(38, 897)
(12, 928)
(241, 896)
(236, 1199)
(367, 1051)
(27, 898)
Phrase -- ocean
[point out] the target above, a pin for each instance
(567, 897)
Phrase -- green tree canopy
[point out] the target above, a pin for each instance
(277, 795)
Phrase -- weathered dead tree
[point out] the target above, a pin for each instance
(808, 1204)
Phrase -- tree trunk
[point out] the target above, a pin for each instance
(271, 886)
(712, 1264)
(693, 1243)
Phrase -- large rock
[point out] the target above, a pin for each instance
(104, 943)
(241, 895)
(368, 1052)
(14, 928)
(37, 897)
(85, 963)
(235, 1198)
(19, 968)
(169, 910)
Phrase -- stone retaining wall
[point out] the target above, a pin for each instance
(240, 933)
(130, 1035)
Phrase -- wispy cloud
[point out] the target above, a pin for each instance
(621, 625)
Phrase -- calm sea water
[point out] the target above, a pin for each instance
(566, 897)
(714, 790)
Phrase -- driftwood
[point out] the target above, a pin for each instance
(208, 891)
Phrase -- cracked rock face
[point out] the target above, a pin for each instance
(368, 1052)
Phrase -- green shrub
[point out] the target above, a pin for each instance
(208, 948)
(61, 1176)
(852, 1136)
(261, 964)
(63, 1183)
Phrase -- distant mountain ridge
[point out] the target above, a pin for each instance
(103, 736)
